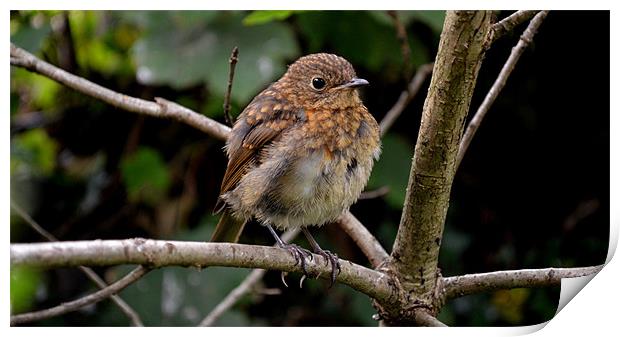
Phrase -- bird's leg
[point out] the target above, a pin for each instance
(298, 253)
(329, 256)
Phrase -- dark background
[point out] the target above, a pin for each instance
(532, 191)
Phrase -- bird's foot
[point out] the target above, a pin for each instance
(300, 255)
(333, 259)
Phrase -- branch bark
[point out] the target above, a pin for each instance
(459, 286)
(416, 248)
(98, 296)
(158, 253)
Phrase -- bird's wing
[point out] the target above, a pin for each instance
(261, 123)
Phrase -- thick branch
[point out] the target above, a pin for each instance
(458, 286)
(416, 248)
(509, 23)
(156, 253)
(500, 82)
(164, 109)
(363, 238)
(98, 296)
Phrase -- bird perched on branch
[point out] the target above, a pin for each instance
(299, 154)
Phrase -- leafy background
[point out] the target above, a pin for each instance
(533, 191)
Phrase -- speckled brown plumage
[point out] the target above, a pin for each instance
(299, 155)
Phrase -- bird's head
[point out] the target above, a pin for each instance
(323, 81)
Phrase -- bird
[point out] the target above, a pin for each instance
(299, 155)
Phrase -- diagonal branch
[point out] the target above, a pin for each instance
(459, 286)
(243, 288)
(405, 97)
(98, 296)
(22, 58)
(125, 308)
(509, 23)
(369, 245)
(500, 82)
(159, 253)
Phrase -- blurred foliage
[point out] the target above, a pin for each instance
(33, 152)
(145, 175)
(24, 284)
(86, 170)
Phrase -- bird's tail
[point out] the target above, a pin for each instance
(228, 229)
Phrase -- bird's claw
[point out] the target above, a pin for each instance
(300, 255)
(333, 259)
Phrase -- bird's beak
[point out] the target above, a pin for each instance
(354, 83)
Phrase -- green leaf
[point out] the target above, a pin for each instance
(260, 17)
(33, 151)
(182, 56)
(145, 175)
(392, 169)
(24, 283)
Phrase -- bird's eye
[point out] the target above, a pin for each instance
(318, 83)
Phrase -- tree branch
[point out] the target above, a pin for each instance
(161, 109)
(234, 57)
(416, 248)
(98, 296)
(125, 308)
(509, 23)
(500, 82)
(405, 97)
(243, 288)
(459, 286)
(369, 245)
(159, 253)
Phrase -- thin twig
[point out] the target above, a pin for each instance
(125, 308)
(459, 286)
(93, 298)
(243, 288)
(22, 58)
(405, 97)
(379, 192)
(160, 253)
(363, 238)
(234, 57)
(509, 23)
(405, 49)
(500, 82)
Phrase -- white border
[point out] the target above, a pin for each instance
(593, 311)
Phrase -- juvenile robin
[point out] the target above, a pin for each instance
(299, 154)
